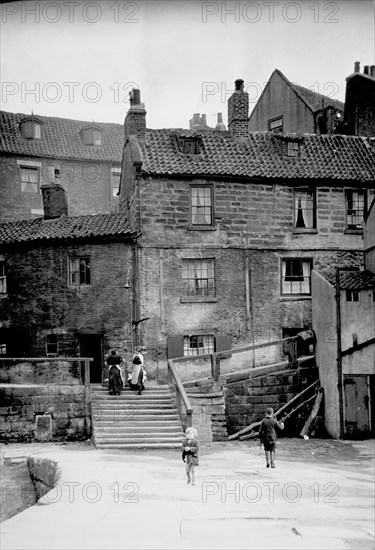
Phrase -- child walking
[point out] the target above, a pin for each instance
(190, 448)
(267, 435)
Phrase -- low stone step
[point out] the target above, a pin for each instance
(131, 397)
(123, 430)
(127, 406)
(154, 422)
(120, 446)
(140, 438)
(134, 412)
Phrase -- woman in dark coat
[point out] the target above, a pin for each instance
(115, 381)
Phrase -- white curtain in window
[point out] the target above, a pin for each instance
(305, 285)
(286, 285)
(307, 211)
(200, 204)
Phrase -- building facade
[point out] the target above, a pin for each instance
(286, 107)
(86, 155)
(64, 285)
(231, 225)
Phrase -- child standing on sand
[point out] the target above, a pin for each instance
(190, 448)
(267, 435)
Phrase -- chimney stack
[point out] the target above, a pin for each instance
(359, 113)
(54, 199)
(220, 126)
(238, 111)
(357, 66)
(135, 120)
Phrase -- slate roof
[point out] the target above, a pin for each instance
(352, 280)
(66, 228)
(317, 101)
(261, 155)
(60, 139)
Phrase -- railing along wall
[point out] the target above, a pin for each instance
(182, 399)
(85, 380)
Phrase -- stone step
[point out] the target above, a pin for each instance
(131, 397)
(143, 445)
(151, 423)
(134, 412)
(149, 429)
(140, 438)
(118, 405)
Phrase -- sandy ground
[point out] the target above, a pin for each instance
(321, 495)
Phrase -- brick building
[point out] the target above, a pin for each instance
(287, 107)
(63, 284)
(87, 154)
(231, 225)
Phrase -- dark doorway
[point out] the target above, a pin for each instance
(90, 345)
(358, 405)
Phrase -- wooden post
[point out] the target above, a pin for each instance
(215, 367)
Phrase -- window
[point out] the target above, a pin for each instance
(304, 209)
(3, 349)
(355, 209)
(29, 179)
(198, 278)
(199, 344)
(79, 271)
(51, 344)
(292, 149)
(352, 296)
(201, 206)
(295, 276)
(115, 185)
(190, 147)
(275, 125)
(3, 278)
(31, 129)
(92, 135)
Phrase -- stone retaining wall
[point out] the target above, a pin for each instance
(43, 413)
(246, 399)
(209, 415)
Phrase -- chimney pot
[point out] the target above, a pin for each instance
(239, 85)
(220, 126)
(357, 66)
(366, 69)
(135, 120)
(204, 120)
(372, 70)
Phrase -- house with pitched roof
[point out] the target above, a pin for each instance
(287, 107)
(343, 314)
(63, 284)
(87, 156)
(232, 224)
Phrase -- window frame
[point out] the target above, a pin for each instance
(295, 295)
(293, 149)
(200, 226)
(31, 129)
(3, 277)
(88, 134)
(51, 343)
(275, 130)
(349, 228)
(352, 295)
(297, 229)
(115, 198)
(208, 350)
(211, 294)
(23, 182)
(84, 258)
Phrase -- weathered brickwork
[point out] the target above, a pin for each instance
(63, 406)
(87, 185)
(40, 275)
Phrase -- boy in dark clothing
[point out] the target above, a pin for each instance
(267, 435)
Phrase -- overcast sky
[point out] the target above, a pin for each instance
(80, 59)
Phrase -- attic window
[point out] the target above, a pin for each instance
(292, 149)
(92, 135)
(191, 146)
(31, 129)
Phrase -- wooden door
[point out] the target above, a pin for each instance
(357, 405)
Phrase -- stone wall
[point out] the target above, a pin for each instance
(209, 416)
(43, 413)
(40, 372)
(247, 396)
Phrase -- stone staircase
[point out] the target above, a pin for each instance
(131, 421)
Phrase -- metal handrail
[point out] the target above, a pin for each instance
(181, 395)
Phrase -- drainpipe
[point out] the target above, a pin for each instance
(339, 359)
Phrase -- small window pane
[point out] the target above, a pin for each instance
(3, 278)
(197, 278)
(29, 180)
(199, 344)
